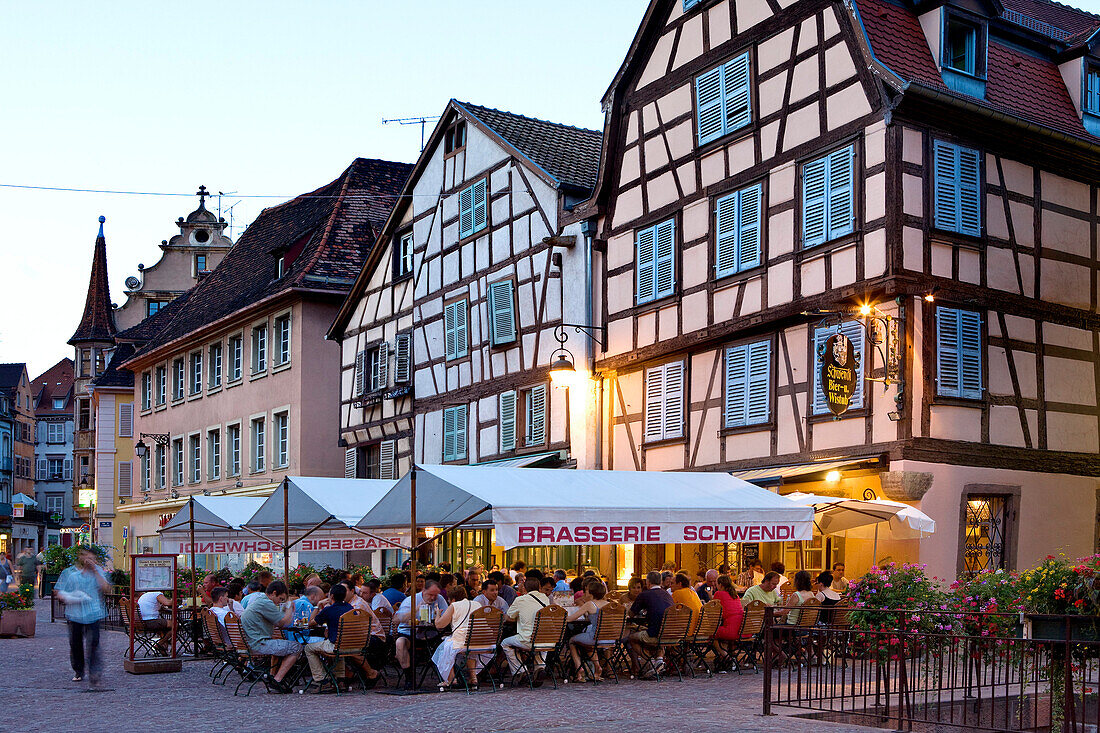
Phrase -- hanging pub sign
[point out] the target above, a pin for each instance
(839, 370)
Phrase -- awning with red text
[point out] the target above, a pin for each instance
(538, 506)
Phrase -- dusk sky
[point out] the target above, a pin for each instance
(266, 99)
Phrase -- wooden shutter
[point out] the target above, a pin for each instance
(449, 344)
(854, 331)
(737, 372)
(480, 205)
(403, 361)
(449, 434)
(665, 258)
(674, 400)
(970, 355)
(958, 353)
(748, 227)
(536, 426)
(970, 198)
(508, 421)
(460, 337)
(1092, 91)
(386, 465)
(947, 352)
(654, 403)
(460, 431)
(383, 366)
(644, 265)
(841, 193)
(67, 469)
(726, 219)
(125, 478)
(689, 4)
(502, 318)
(350, 461)
(360, 372)
(946, 187)
(737, 101)
(126, 420)
(466, 212)
(814, 231)
(758, 402)
(708, 102)
(40, 474)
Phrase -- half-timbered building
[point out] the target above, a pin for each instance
(921, 177)
(447, 334)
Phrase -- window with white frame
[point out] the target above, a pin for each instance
(194, 449)
(502, 312)
(748, 384)
(178, 386)
(259, 348)
(723, 100)
(456, 340)
(737, 227)
(472, 209)
(55, 468)
(958, 353)
(125, 478)
(454, 433)
(282, 340)
(236, 346)
(828, 197)
(215, 366)
(213, 454)
(146, 391)
(282, 439)
(162, 384)
(146, 473)
(403, 255)
(162, 466)
(259, 444)
(55, 432)
(1091, 98)
(854, 331)
(655, 263)
(957, 198)
(664, 401)
(196, 373)
(177, 461)
(59, 403)
(233, 449)
(378, 359)
(533, 401)
(55, 504)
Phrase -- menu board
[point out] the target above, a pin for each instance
(154, 572)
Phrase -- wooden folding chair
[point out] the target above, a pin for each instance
(225, 659)
(352, 635)
(609, 640)
(251, 666)
(483, 637)
(748, 646)
(670, 639)
(547, 639)
(700, 642)
(145, 641)
(839, 639)
(806, 621)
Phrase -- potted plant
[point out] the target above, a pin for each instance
(57, 558)
(249, 571)
(299, 573)
(17, 616)
(1063, 598)
(890, 605)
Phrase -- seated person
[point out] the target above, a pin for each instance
(258, 623)
(431, 598)
(504, 583)
(149, 606)
(766, 592)
(220, 607)
(523, 611)
(707, 588)
(652, 602)
(251, 593)
(457, 616)
(328, 612)
(682, 592)
(395, 594)
(733, 614)
(491, 596)
(823, 589)
(307, 600)
(595, 591)
(753, 574)
(547, 584)
(803, 591)
(634, 588)
(235, 590)
(560, 583)
(371, 592)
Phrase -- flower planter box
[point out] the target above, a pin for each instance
(48, 580)
(17, 623)
(1053, 628)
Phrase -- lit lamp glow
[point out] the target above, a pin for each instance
(429, 532)
(832, 477)
(562, 372)
(865, 309)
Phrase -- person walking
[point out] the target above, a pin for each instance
(7, 571)
(81, 588)
(28, 567)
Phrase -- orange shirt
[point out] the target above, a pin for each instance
(689, 598)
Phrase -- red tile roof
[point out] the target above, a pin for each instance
(1063, 17)
(96, 324)
(57, 381)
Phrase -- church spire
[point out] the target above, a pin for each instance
(96, 323)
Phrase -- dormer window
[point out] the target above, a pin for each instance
(200, 263)
(455, 139)
(280, 266)
(1092, 90)
(964, 54)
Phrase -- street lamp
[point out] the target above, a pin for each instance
(141, 449)
(562, 371)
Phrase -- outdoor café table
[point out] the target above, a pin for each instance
(188, 631)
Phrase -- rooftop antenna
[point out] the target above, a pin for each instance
(422, 121)
(228, 210)
(220, 194)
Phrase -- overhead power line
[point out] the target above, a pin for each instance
(239, 195)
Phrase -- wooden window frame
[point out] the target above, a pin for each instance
(713, 235)
(470, 185)
(802, 249)
(489, 320)
(522, 397)
(728, 135)
(450, 148)
(932, 326)
(773, 374)
(458, 358)
(399, 273)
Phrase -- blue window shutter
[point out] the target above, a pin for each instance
(689, 4)
(970, 355)
(737, 100)
(854, 331)
(814, 230)
(737, 380)
(508, 422)
(946, 188)
(460, 432)
(1092, 91)
(449, 434)
(449, 346)
(665, 258)
(460, 337)
(674, 400)
(726, 225)
(708, 102)
(466, 212)
(970, 196)
(947, 352)
(748, 227)
(759, 383)
(645, 265)
(502, 321)
(841, 195)
(480, 199)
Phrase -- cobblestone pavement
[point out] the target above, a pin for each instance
(38, 696)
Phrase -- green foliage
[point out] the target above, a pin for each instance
(21, 600)
(1057, 586)
(299, 573)
(363, 570)
(58, 558)
(250, 570)
(896, 586)
(120, 577)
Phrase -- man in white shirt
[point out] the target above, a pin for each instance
(371, 592)
(149, 605)
(490, 596)
(220, 597)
